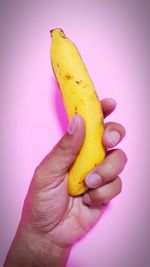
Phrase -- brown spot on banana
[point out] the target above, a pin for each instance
(78, 82)
(76, 110)
(68, 76)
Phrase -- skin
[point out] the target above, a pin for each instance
(52, 221)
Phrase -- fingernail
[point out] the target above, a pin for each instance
(93, 180)
(73, 125)
(114, 137)
(76, 121)
(86, 198)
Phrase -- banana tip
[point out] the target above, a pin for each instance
(59, 30)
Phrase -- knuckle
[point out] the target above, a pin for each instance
(37, 172)
(106, 192)
(119, 185)
(121, 154)
(66, 148)
(38, 176)
(97, 196)
(107, 170)
(103, 198)
(112, 165)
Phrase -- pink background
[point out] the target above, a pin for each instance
(113, 38)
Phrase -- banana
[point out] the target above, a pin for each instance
(79, 96)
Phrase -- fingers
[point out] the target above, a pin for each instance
(102, 179)
(108, 106)
(108, 170)
(113, 134)
(103, 194)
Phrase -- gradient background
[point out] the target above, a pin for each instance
(113, 38)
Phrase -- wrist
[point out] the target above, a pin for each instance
(28, 249)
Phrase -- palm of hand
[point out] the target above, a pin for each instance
(62, 218)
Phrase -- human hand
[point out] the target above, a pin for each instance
(49, 213)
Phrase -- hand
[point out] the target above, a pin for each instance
(52, 215)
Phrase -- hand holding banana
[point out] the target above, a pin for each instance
(52, 221)
(79, 97)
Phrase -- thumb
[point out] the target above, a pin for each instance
(55, 165)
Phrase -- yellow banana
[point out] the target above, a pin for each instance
(79, 96)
